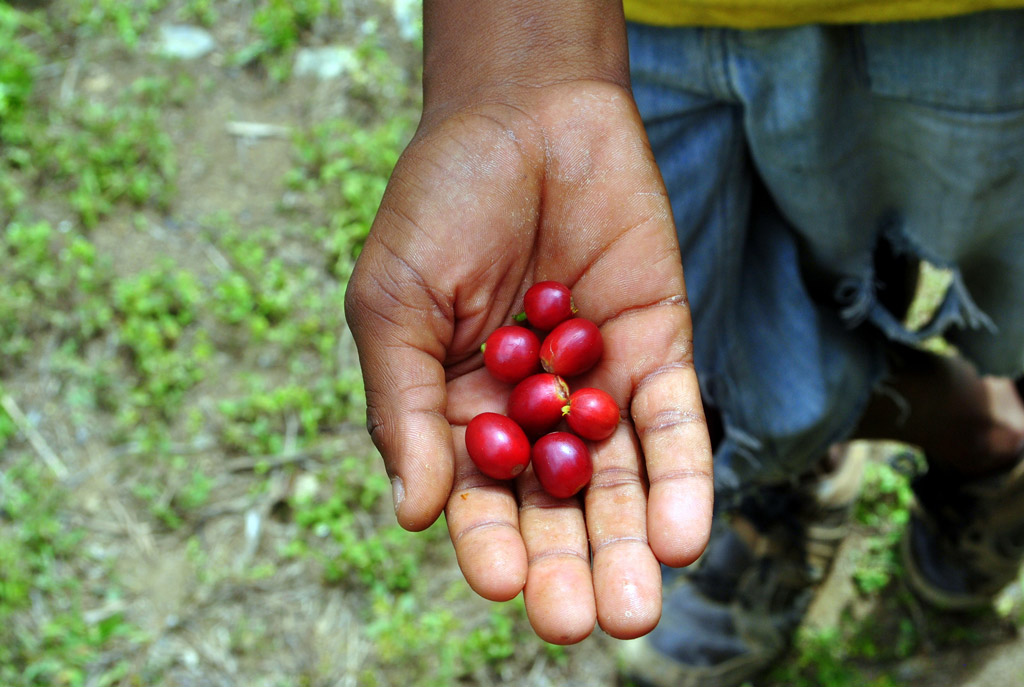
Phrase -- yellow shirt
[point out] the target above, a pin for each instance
(750, 14)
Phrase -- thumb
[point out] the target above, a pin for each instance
(401, 326)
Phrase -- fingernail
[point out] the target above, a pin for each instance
(397, 491)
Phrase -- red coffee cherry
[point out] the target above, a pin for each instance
(592, 413)
(497, 445)
(562, 464)
(571, 348)
(537, 403)
(512, 353)
(548, 304)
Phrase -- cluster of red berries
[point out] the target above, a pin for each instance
(500, 445)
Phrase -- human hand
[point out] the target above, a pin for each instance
(552, 182)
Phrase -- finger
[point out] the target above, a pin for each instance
(443, 261)
(669, 420)
(627, 577)
(559, 591)
(483, 521)
(399, 327)
(647, 367)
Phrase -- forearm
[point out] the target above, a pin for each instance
(477, 49)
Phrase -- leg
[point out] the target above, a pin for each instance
(964, 422)
(728, 616)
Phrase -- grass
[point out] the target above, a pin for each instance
(279, 26)
(200, 375)
(247, 360)
(46, 638)
(842, 656)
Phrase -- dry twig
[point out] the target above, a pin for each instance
(42, 449)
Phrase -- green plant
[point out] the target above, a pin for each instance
(347, 165)
(257, 423)
(884, 508)
(101, 154)
(7, 427)
(824, 657)
(163, 90)
(17, 62)
(154, 312)
(108, 155)
(435, 647)
(406, 634)
(279, 26)
(384, 558)
(496, 640)
(173, 489)
(203, 12)
(379, 82)
(262, 289)
(52, 284)
(44, 637)
(128, 20)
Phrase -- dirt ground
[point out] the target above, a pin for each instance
(195, 592)
(977, 649)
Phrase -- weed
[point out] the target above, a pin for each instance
(824, 657)
(102, 155)
(432, 647)
(349, 551)
(203, 12)
(44, 636)
(884, 507)
(154, 310)
(279, 25)
(7, 429)
(52, 284)
(406, 634)
(258, 423)
(163, 90)
(378, 81)
(107, 155)
(129, 20)
(493, 642)
(347, 165)
(181, 489)
(17, 62)
(261, 290)
(129, 350)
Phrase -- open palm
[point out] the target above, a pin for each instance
(554, 183)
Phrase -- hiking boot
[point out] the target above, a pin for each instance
(965, 541)
(731, 614)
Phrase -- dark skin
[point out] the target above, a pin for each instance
(966, 423)
(531, 163)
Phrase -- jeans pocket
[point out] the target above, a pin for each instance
(971, 63)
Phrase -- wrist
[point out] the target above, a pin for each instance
(476, 50)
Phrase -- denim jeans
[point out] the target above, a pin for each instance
(795, 160)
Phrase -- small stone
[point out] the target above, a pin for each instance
(305, 487)
(408, 15)
(190, 658)
(184, 42)
(327, 62)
